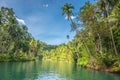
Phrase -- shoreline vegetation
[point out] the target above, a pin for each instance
(89, 66)
(96, 44)
(16, 43)
(7, 58)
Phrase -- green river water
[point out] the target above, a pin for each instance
(50, 71)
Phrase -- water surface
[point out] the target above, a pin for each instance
(50, 71)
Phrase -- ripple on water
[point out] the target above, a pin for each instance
(49, 76)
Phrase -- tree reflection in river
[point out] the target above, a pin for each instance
(47, 70)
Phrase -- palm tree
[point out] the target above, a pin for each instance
(68, 37)
(106, 8)
(67, 11)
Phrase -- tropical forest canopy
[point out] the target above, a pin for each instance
(16, 43)
(97, 40)
(96, 43)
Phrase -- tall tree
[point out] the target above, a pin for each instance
(67, 11)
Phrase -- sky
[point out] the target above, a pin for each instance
(44, 18)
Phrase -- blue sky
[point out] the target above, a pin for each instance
(44, 18)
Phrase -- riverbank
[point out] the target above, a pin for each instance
(96, 65)
(8, 58)
(110, 70)
(18, 60)
(91, 64)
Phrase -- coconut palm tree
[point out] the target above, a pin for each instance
(67, 11)
(106, 8)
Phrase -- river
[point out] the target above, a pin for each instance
(37, 70)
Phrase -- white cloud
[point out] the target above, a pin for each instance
(72, 17)
(21, 21)
(45, 5)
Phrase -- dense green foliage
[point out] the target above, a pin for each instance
(97, 41)
(15, 41)
(95, 45)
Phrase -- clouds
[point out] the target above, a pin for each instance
(45, 5)
(21, 21)
(72, 17)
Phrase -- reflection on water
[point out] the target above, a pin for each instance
(50, 71)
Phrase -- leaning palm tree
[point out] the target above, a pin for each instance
(67, 11)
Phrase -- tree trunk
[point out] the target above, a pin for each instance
(113, 41)
(100, 44)
(86, 47)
